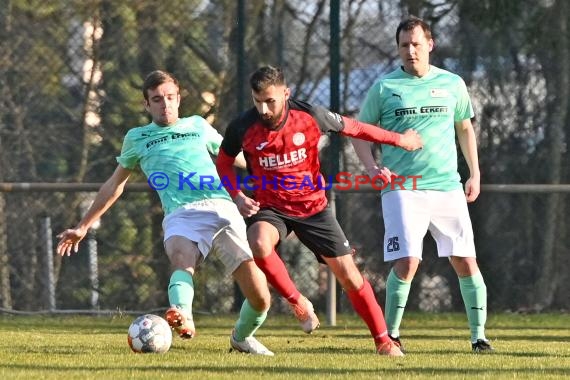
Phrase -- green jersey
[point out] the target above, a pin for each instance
(430, 105)
(176, 160)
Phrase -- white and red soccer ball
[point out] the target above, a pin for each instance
(150, 333)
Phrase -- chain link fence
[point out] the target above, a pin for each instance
(121, 264)
(70, 77)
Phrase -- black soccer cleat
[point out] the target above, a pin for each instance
(482, 346)
(397, 342)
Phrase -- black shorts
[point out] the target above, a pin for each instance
(321, 232)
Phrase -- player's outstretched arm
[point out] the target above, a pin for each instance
(409, 140)
(108, 193)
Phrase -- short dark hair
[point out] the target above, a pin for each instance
(155, 79)
(409, 24)
(266, 76)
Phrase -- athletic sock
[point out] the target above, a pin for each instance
(249, 321)
(277, 275)
(474, 293)
(181, 290)
(397, 292)
(365, 304)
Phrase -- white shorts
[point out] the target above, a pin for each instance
(216, 226)
(409, 214)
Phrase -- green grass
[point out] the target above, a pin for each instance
(80, 347)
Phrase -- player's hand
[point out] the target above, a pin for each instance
(383, 173)
(246, 206)
(69, 240)
(472, 189)
(410, 140)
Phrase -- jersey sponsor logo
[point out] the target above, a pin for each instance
(406, 111)
(158, 141)
(438, 93)
(173, 137)
(421, 110)
(262, 145)
(283, 160)
(177, 135)
(434, 109)
(298, 138)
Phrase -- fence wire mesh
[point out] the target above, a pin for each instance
(121, 265)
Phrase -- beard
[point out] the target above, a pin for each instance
(272, 122)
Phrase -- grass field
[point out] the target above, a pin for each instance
(81, 347)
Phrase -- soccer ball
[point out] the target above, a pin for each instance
(149, 333)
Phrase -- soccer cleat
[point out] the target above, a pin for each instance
(305, 313)
(389, 348)
(180, 322)
(250, 346)
(482, 346)
(397, 342)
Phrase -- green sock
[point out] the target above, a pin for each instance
(181, 290)
(397, 292)
(474, 293)
(249, 321)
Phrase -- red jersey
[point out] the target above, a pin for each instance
(284, 164)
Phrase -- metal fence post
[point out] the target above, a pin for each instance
(49, 275)
(334, 54)
(93, 267)
(331, 279)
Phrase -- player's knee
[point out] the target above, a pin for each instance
(405, 269)
(263, 303)
(181, 259)
(182, 253)
(260, 247)
(349, 278)
(260, 298)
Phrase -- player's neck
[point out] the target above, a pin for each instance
(166, 125)
(419, 72)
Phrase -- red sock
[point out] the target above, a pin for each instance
(365, 304)
(278, 277)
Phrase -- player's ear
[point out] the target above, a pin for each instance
(146, 105)
(431, 44)
(287, 93)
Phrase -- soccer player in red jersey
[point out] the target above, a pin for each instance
(279, 138)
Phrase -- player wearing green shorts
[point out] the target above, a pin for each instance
(200, 217)
(434, 102)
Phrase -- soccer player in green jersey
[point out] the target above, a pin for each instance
(435, 103)
(200, 217)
